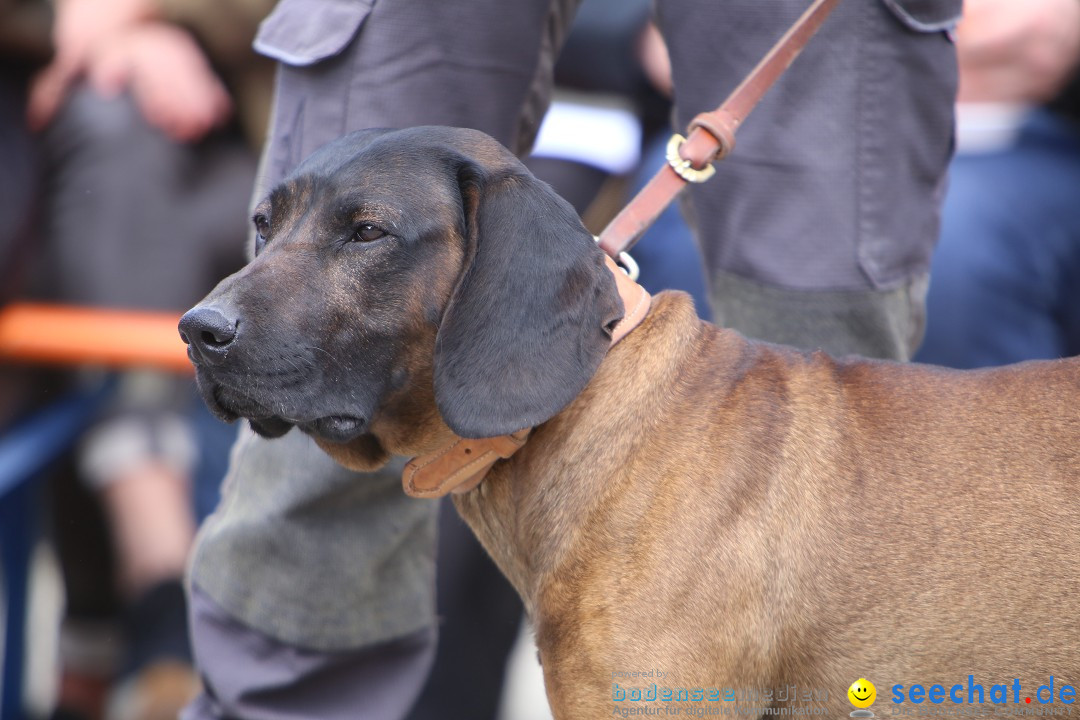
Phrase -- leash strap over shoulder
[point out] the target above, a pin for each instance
(711, 136)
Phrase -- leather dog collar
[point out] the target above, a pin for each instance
(635, 299)
(460, 466)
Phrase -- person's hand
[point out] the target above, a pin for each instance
(84, 25)
(1017, 51)
(81, 28)
(168, 76)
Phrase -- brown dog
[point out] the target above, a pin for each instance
(695, 516)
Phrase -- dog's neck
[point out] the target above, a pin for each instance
(461, 465)
(527, 511)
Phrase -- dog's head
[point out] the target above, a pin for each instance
(402, 280)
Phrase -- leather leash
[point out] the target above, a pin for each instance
(462, 465)
(711, 136)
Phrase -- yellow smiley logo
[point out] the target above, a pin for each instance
(862, 693)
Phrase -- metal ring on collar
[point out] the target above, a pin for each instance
(627, 263)
(682, 166)
(629, 266)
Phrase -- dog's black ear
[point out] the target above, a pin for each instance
(530, 318)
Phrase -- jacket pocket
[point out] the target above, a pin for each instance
(303, 32)
(927, 15)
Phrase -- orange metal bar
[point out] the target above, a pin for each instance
(70, 335)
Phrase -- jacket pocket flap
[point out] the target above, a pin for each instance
(927, 15)
(303, 32)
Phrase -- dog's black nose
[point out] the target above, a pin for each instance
(208, 332)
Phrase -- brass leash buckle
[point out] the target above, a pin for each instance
(682, 166)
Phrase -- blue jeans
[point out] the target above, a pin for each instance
(1005, 278)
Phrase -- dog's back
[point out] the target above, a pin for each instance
(782, 518)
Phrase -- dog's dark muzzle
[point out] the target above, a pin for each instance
(209, 333)
(227, 373)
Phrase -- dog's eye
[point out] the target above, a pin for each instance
(262, 227)
(368, 233)
(262, 224)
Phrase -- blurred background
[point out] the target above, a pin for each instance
(125, 176)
